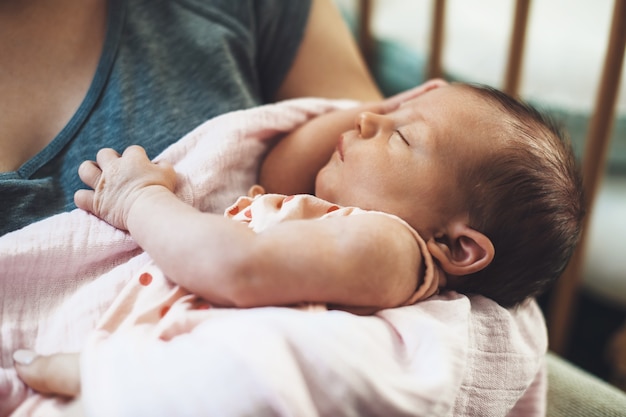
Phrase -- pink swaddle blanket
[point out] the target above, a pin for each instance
(61, 277)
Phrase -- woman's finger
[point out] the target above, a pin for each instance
(55, 374)
(74, 409)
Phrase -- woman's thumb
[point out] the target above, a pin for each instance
(55, 374)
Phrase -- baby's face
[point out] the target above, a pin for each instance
(406, 162)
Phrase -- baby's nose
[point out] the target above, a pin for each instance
(368, 124)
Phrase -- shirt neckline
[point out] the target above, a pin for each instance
(115, 19)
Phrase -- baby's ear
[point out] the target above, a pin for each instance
(255, 190)
(462, 251)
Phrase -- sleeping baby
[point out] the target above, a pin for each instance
(462, 188)
(462, 175)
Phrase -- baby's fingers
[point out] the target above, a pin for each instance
(393, 102)
(135, 151)
(106, 156)
(84, 199)
(89, 173)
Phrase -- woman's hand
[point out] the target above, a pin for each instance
(117, 181)
(55, 374)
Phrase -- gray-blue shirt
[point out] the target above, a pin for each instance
(167, 66)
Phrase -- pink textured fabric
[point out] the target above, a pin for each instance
(48, 268)
(63, 277)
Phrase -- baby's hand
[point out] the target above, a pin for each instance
(118, 181)
(390, 104)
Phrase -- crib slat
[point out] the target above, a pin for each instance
(434, 69)
(563, 301)
(516, 48)
(365, 35)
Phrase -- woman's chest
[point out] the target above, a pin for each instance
(49, 58)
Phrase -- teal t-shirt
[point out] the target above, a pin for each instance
(167, 66)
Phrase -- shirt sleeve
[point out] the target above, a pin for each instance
(279, 32)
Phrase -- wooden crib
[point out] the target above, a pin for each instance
(564, 296)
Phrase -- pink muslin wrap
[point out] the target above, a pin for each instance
(65, 287)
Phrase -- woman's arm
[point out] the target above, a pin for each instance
(328, 63)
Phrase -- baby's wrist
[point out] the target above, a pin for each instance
(141, 204)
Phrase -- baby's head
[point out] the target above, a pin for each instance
(528, 200)
(489, 183)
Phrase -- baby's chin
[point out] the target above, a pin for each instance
(327, 195)
(321, 190)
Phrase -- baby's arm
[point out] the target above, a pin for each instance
(293, 163)
(366, 260)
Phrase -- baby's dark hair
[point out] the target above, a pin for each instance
(528, 199)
